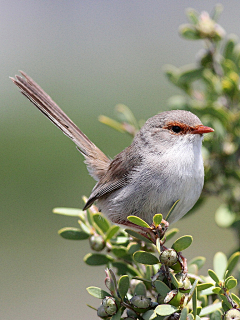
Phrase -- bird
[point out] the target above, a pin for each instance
(162, 165)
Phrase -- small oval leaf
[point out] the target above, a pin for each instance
(149, 315)
(231, 284)
(165, 309)
(70, 233)
(216, 290)
(235, 298)
(232, 262)
(101, 222)
(224, 217)
(220, 264)
(138, 221)
(123, 268)
(117, 316)
(204, 286)
(161, 288)
(140, 289)
(133, 247)
(145, 258)
(137, 235)
(72, 212)
(119, 251)
(171, 233)
(123, 285)
(111, 232)
(183, 315)
(213, 275)
(182, 243)
(157, 219)
(211, 308)
(97, 259)
(199, 261)
(97, 292)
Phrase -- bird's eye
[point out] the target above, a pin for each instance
(176, 129)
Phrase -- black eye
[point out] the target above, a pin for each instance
(176, 129)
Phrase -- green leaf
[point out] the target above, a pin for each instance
(216, 290)
(145, 258)
(188, 32)
(216, 315)
(165, 309)
(171, 210)
(133, 247)
(97, 259)
(174, 280)
(140, 289)
(157, 219)
(73, 212)
(225, 301)
(232, 262)
(224, 217)
(137, 235)
(193, 288)
(210, 309)
(119, 251)
(111, 123)
(230, 283)
(98, 292)
(193, 268)
(171, 233)
(194, 303)
(220, 264)
(199, 261)
(149, 315)
(217, 11)
(190, 75)
(138, 221)
(123, 269)
(90, 217)
(126, 115)
(123, 285)
(73, 233)
(117, 316)
(193, 17)
(190, 316)
(235, 298)
(183, 315)
(182, 243)
(84, 227)
(204, 286)
(101, 222)
(161, 288)
(120, 240)
(111, 232)
(213, 275)
(229, 47)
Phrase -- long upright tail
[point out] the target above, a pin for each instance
(97, 162)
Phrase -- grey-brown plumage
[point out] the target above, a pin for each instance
(163, 163)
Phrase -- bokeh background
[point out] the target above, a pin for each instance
(89, 56)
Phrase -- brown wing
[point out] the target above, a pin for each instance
(117, 176)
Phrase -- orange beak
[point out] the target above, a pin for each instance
(202, 129)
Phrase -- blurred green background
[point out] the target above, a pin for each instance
(89, 56)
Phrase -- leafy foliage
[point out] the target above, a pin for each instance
(153, 282)
(153, 279)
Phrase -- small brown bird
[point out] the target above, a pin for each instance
(163, 163)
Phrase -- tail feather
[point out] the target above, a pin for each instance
(97, 162)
